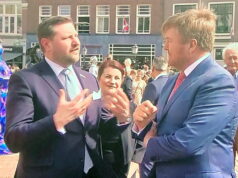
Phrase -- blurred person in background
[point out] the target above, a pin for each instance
(5, 74)
(94, 68)
(138, 87)
(230, 57)
(159, 74)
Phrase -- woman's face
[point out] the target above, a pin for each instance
(110, 80)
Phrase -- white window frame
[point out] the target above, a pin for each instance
(15, 15)
(183, 4)
(225, 35)
(64, 6)
(44, 16)
(83, 15)
(138, 16)
(102, 16)
(122, 16)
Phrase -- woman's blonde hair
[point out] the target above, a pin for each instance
(199, 24)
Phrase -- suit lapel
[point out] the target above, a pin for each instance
(193, 76)
(49, 76)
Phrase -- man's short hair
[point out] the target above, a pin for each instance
(45, 28)
(233, 46)
(160, 63)
(199, 24)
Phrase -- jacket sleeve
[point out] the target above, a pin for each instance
(22, 131)
(214, 108)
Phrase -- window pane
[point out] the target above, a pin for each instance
(12, 24)
(1, 25)
(6, 25)
(106, 20)
(45, 10)
(100, 24)
(183, 8)
(123, 10)
(140, 24)
(144, 10)
(1, 9)
(218, 54)
(123, 25)
(224, 14)
(19, 9)
(147, 25)
(102, 10)
(83, 24)
(10, 9)
(64, 10)
(83, 10)
(19, 28)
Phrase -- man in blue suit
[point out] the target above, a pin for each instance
(56, 131)
(230, 56)
(159, 74)
(197, 113)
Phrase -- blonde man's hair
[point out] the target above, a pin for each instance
(199, 24)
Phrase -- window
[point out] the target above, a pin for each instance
(143, 19)
(102, 19)
(178, 8)
(225, 13)
(45, 13)
(64, 10)
(83, 19)
(123, 19)
(10, 19)
(218, 53)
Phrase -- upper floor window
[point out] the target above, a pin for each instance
(225, 16)
(10, 19)
(102, 23)
(143, 19)
(123, 19)
(83, 19)
(64, 10)
(45, 12)
(178, 8)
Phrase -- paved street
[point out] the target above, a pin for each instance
(8, 165)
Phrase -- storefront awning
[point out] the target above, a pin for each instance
(9, 56)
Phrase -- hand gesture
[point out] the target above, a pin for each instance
(67, 111)
(144, 113)
(118, 104)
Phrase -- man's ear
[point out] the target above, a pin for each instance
(45, 43)
(193, 45)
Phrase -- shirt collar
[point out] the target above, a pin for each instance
(190, 68)
(161, 74)
(56, 67)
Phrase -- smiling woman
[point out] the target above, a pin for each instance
(110, 76)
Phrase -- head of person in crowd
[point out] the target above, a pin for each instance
(127, 62)
(140, 74)
(59, 40)
(133, 74)
(146, 67)
(230, 57)
(188, 36)
(93, 60)
(109, 57)
(160, 65)
(110, 76)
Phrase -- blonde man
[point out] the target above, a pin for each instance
(196, 119)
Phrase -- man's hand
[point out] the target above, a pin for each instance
(118, 104)
(144, 113)
(67, 111)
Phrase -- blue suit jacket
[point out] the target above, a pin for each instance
(31, 103)
(196, 126)
(153, 89)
